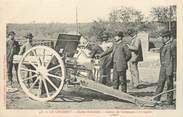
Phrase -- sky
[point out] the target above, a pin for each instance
(64, 11)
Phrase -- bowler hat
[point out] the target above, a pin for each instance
(120, 34)
(29, 35)
(11, 33)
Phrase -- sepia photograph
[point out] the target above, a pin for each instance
(90, 55)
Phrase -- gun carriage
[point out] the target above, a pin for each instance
(44, 70)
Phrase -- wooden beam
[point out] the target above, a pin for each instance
(89, 84)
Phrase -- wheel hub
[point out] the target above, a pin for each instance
(42, 71)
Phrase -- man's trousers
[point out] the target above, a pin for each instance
(105, 70)
(119, 79)
(163, 77)
(9, 70)
(134, 73)
(105, 76)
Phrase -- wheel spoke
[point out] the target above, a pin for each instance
(38, 58)
(33, 64)
(49, 61)
(30, 77)
(29, 70)
(39, 89)
(33, 84)
(53, 85)
(43, 57)
(54, 76)
(55, 67)
(35, 53)
(46, 88)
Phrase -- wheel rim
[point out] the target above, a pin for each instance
(41, 73)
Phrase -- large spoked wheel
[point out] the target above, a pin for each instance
(41, 73)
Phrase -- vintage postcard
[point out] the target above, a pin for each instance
(91, 58)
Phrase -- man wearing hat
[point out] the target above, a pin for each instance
(105, 66)
(120, 56)
(137, 56)
(166, 70)
(12, 48)
(28, 44)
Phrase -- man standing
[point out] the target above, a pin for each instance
(105, 66)
(166, 70)
(137, 56)
(28, 44)
(120, 56)
(12, 46)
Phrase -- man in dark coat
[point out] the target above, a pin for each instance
(166, 70)
(120, 56)
(12, 48)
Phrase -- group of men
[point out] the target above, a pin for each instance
(117, 55)
(13, 48)
(120, 54)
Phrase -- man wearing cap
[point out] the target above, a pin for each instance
(120, 56)
(166, 70)
(28, 45)
(12, 48)
(137, 56)
(105, 66)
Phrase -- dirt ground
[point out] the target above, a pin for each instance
(82, 98)
(71, 98)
